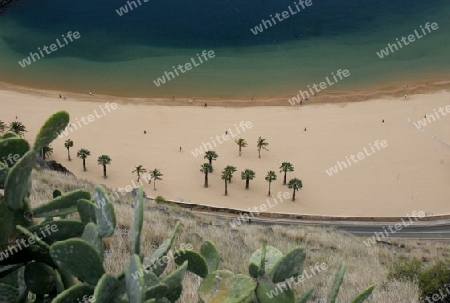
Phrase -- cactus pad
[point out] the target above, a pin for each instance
(75, 294)
(273, 255)
(269, 292)
(174, 281)
(197, 263)
(79, 258)
(138, 221)
(209, 251)
(224, 286)
(288, 265)
(51, 129)
(104, 212)
(134, 281)
(39, 278)
(107, 290)
(62, 204)
(17, 185)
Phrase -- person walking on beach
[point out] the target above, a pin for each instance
(180, 149)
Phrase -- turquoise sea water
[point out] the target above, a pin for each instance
(122, 55)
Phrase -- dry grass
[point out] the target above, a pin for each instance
(365, 266)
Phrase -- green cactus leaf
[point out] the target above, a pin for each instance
(209, 251)
(86, 210)
(6, 270)
(134, 281)
(364, 295)
(75, 294)
(58, 230)
(288, 265)
(337, 283)
(269, 292)
(197, 263)
(273, 255)
(9, 134)
(18, 185)
(175, 282)
(4, 170)
(12, 149)
(59, 282)
(306, 296)
(150, 279)
(8, 294)
(160, 252)
(107, 290)
(91, 236)
(138, 222)
(224, 286)
(40, 278)
(156, 291)
(51, 129)
(22, 286)
(104, 212)
(30, 235)
(61, 205)
(70, 254)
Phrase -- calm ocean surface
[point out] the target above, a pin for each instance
(123, 55)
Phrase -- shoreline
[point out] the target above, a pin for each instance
(402, 178)
(422, 87)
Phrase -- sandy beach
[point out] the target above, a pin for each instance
(410, 173)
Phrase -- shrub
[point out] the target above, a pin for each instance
(435, 280)
(160, 199)
(405, 270)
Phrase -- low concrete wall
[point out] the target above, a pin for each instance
(212, 209)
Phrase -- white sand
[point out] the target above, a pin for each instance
(411, 174)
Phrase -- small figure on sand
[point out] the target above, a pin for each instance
(305, 129)
(226, 132)
(16, 117)
(90, 92)
(180, 148)
(206, 104)
(382, 120)
(60, 96)
(406, 96)
(65, 98)
(145, 132)
(425, 116)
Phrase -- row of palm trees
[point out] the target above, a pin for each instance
(16, 127)
(227, 174)
(155, 174)
(261, 144)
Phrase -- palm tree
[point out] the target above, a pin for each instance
(284, 168)
(2, 126)
(83, 154)
(68, 144)
(46, 151)
(232, 169)
(226, 175)
(210, 155)
(261, 144)
(295, 184)
(247, 175)
(206, 168)
(139, 170)
(241, 143)
(18, 128)
(271, 176)
(155, 174)
(104, 160)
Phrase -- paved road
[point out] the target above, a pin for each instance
(438, 230)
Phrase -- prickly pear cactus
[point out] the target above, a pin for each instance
(63, 259)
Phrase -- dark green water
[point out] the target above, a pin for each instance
(123, 55)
